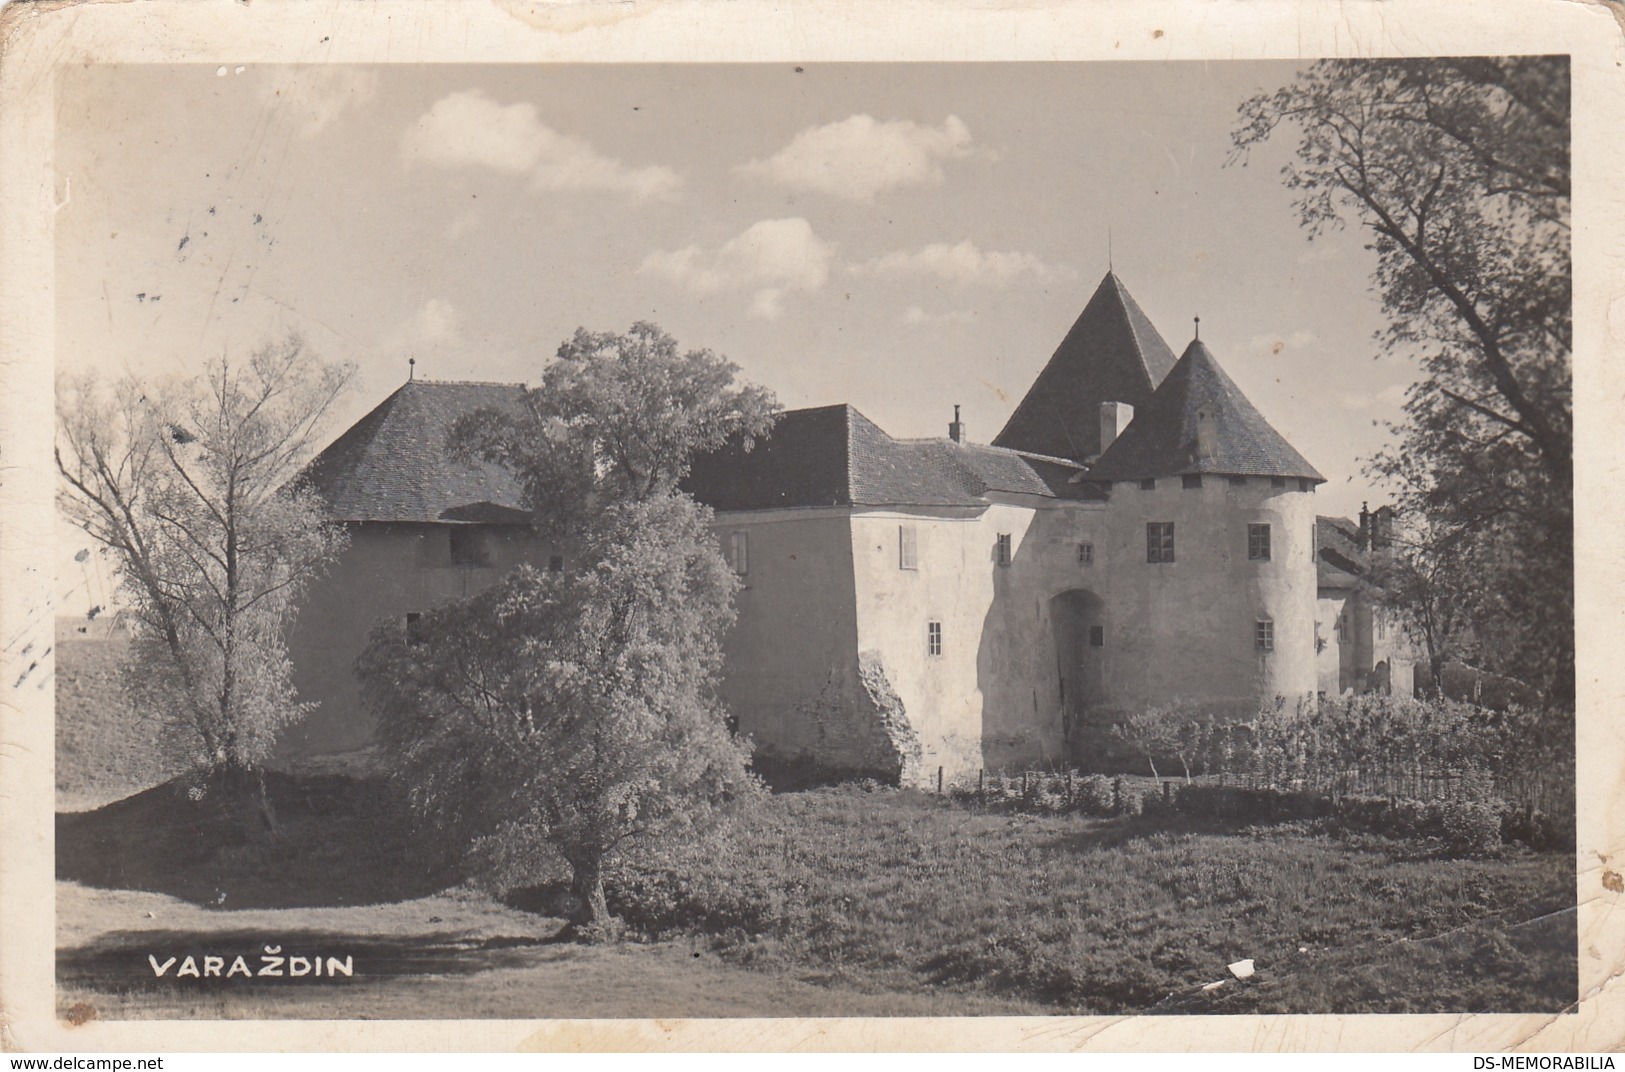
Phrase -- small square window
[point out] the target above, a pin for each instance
(908, 548)
(555, 564)
(1305, 484)
(1277, 481)
(1238, 480)
(1264, 634)
(468, 547)
(1191, 480)
(1258, 543)
(933, 638)
(1004, 550)
(1148, 485)
(1159, 541)
(739, 552)
(1097, 636)
(1086, 554)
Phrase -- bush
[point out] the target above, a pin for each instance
(1470, 827)
(1095, 795)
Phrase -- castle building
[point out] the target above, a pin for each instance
(1136, 535)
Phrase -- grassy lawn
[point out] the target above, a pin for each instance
(827, 902)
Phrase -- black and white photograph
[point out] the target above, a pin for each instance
(606, 538)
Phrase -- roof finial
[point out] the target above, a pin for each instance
(1198, 329)
(411, 368)
(1108, 247)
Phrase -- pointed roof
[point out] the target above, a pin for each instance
(1112, 354)
(392, 464)
(835, 456)
(1161, 439)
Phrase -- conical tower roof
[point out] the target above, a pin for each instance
(1112, 354)
(1163, 437)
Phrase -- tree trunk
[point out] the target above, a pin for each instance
(244, 794)
(587, 883)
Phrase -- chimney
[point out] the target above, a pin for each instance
(1382, 527)
(1114, 417)
(956, 430)
(1207, 434)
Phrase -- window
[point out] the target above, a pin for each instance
(1258, 543)
(1191, 480)
(739, 552)
(1305, 484)
(1382, 626)
(414, 627)
(555, 564)
(1086, 554)
(468, 547)
(933, 638)
(1264, 635)
(908, 548)
(1159, 541)
(1342, 630)
(1097, 636)
(1238, 480)
(1277, 481)
(1004, 549)
(1148, 485)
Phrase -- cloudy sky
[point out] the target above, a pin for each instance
(903, 237)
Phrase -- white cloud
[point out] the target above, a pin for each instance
(960, 263)
(312, 97)
(436, 324)
(469, 129)
(861, 156)
(773, 257)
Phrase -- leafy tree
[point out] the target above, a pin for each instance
(577, 711)
(1459, 170)
(617, 418)
(191, 485)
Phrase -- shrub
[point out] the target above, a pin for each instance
(1470, 827)
(1094, 795)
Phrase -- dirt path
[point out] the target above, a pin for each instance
(434, 957)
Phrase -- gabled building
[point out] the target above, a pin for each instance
(1137, 534)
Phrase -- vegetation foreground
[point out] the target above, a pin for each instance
(829, 902)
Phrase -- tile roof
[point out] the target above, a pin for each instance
(1161, 439)
(1339, 558)
(1112, 354)
(835, 456)
(392, 465)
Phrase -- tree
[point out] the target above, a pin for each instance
(578, 711)
(1459, 170)
(191, 484)
(617, 418)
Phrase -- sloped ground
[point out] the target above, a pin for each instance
(1119, 915)
(103, 750)
(830, 902)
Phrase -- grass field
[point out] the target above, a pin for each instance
(826, 902)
